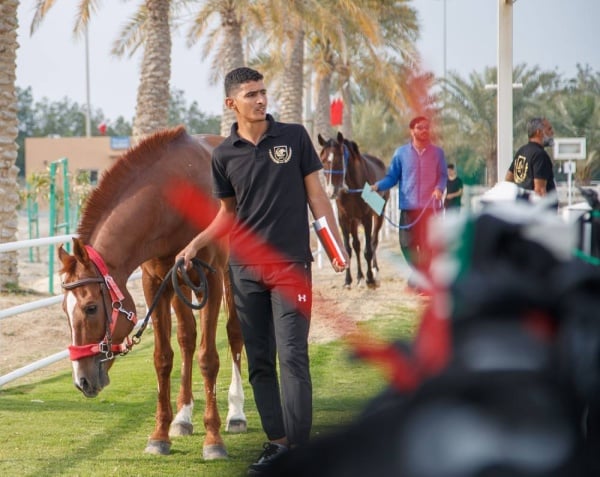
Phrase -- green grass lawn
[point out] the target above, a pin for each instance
(50, 429)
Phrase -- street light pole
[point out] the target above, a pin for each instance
(505, 87)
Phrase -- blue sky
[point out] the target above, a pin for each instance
(554, 34)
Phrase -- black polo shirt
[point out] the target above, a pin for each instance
(532, 162)
(267, 181)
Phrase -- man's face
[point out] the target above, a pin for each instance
(420, 132)
(249, 101)
(547, 134)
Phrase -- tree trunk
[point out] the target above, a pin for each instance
(152, 107)
(9, 190)
(322, 110)
(292, 81)
(347, 129)
(233, 57)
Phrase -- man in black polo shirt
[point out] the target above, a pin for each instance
(264, 175)
(531, 167)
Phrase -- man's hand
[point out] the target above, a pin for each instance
(340, 267)
(187, 254)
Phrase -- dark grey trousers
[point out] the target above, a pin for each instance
(273, 303)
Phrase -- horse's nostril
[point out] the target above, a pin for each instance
(84, 385)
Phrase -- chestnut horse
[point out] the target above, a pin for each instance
(346, 171)
(126, 223)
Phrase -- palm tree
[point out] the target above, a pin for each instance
(224, 40)
(370, 45)
(9, 191)
(470, 114)
(149, 28)
(470, 118)
(292, 81)
(578, 115)
(152, 107)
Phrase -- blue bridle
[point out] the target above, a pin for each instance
(346, 158)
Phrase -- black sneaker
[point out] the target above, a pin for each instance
(271, 451)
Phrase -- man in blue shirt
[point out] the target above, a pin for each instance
(419, 169)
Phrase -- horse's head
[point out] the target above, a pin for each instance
(98, 316)
(334, 156)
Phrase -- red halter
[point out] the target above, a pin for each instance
(116, 297)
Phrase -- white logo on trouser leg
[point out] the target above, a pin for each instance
(301, 297)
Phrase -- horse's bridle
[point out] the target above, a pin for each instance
(106, 283)
(329, 173)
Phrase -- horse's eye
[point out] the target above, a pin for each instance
(91, 309)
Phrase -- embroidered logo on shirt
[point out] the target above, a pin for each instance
(520, 169)
(280, 154)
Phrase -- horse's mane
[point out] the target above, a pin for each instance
(353, 146)
(118, 177)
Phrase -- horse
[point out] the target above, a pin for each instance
(346, 171)
(126, 224)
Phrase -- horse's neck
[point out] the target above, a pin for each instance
(122, 241)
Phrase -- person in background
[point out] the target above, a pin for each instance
(419, 169)
(454, 189)
(532, 167)
(265, 173)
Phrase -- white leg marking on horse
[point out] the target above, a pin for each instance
(185, 413)
(235, 397)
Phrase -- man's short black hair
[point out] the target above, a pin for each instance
(416, 121)
(451, 166)
(239, 76)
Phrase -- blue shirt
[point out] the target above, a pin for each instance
(417, 175)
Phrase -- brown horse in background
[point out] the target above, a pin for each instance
(346, 171)
(127, 223)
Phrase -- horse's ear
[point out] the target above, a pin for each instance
(340, 137)
(63, 255)
(321, 140)
(79, 251)
(67, 260)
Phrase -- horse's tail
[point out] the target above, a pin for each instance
(228, 293)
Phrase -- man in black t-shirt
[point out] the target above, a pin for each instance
(454, 189)
(532, 167)
(265, 173)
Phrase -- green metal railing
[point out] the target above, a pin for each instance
(56, 228)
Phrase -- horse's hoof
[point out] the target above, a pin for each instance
(157, 447)
(347, 286)
(236, 426)
(214, 452)
(181, 428)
